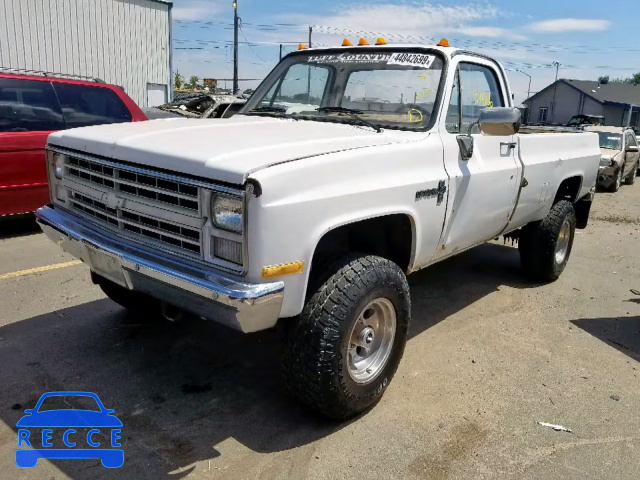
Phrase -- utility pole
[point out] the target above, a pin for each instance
(280, 51)
(310, 32)
(235, 47)
(555, 88)
(528, 94)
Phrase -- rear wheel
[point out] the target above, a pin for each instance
(631, 178)
(545, 246)
(345, 347)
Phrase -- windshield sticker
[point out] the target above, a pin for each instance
(415, 115)
(481, 98)
(424, 93)
(351, 58)
(412, 59)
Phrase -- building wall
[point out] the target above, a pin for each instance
(124, 42)
(613, 116)
(569, 102)
(592, 107)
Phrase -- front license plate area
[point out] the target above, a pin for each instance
(107, 265)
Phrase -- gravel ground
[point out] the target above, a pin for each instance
(490, 354)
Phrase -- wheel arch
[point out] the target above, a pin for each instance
(390, 235)
(569, 189)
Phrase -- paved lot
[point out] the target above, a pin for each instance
(489, 355)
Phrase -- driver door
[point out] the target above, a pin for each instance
(483, 188)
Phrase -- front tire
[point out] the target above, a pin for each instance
(545, 246)
(345, 347)
(617, 183)
(631, 178)
(136, 303)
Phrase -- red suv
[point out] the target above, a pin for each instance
(31, 107)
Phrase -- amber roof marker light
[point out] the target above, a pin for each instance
(381, 41)
(363, 42)
(444, 43)
(302, 46)
(347, 43)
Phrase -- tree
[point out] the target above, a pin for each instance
(193, 81)
(634, 79)
(178, 80)
(603, 80)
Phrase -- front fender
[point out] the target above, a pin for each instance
(303, 201)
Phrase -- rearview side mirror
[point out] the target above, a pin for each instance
(632, 149)
(500, 121)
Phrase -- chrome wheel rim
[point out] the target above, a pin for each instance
(371, 340)
(562, 245)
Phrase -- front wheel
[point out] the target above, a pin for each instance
(631, 178)
(137, 303)
(545, 246)
(345, 347)
(617, 182)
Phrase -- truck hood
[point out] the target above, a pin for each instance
(226, 150)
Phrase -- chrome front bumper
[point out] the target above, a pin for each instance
(202, 291)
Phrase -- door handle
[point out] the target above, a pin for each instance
(508, 144)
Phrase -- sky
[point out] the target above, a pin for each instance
(589, 38)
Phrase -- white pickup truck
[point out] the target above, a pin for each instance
(348, 169)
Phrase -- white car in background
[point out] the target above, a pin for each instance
(620, 156)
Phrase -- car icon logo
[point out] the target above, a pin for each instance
(80, 430)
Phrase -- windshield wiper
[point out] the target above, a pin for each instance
(352, 113)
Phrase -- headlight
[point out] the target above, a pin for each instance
(606, 162)
(227, 213)
(58, 164)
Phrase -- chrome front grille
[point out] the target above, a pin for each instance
(158, 210)
(152, 188)
(169, 233)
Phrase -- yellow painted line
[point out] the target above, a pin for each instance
(22, 273)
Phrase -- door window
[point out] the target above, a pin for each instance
(28, 106)
(83, 105)
(631, 140)
(475, 88)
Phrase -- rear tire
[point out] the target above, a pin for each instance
(631, 178)
(345, 347)
(545, 246)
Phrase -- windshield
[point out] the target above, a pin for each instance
(383, 88)
(612, 141)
